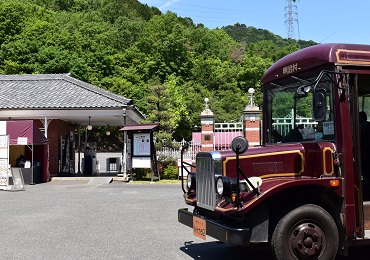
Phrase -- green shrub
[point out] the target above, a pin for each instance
(163, 162)
(170, 172)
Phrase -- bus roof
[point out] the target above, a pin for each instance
(318, 55)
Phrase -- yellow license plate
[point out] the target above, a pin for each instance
(199, 227)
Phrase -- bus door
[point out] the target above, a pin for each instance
(359, 88)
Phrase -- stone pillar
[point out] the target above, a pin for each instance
(252, 122)
(207, 121)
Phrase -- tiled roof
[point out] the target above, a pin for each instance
(55, 91)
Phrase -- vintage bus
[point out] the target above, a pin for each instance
(304, 194)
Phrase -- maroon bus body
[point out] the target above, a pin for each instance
(349, 58)
(323, 173)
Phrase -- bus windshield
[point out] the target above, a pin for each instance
(289, 115)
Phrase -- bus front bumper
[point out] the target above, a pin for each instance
(229, 235)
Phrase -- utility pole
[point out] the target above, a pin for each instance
(291, 17)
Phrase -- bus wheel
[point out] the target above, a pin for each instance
(306, 232)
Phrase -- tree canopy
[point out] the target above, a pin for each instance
(165, 63)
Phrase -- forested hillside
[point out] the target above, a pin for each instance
(165, 63)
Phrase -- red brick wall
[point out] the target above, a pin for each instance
(252, 132)
(207, 133)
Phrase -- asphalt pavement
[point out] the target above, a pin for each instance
(77, 220)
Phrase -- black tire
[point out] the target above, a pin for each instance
(306, 232)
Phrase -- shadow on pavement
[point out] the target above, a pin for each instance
(219, 251)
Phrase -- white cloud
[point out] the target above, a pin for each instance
(167, 4)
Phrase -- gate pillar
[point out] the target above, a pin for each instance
(252, 121)
(207, 121)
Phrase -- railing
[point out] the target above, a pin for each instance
(226, 132)
(284, 125)
(189, 154)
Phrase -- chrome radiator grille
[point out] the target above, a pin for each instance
(208, 166)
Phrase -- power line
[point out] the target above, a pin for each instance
(214, 10)
(212, 14)
(215, 16)
(207, 8)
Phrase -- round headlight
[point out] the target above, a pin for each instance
(220, 186)
(188, 181)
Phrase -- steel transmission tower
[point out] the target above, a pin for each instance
(291, 18)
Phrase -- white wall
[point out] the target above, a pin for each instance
(101, 159)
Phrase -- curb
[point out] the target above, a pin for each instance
(84, 178)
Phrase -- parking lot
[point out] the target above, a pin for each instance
(77, 220)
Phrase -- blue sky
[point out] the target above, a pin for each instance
(322, 21)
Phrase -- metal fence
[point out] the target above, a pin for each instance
(224, 133)
(284, 125)
(189, 154)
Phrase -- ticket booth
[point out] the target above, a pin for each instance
(28, 142)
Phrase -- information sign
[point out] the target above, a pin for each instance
(4, 161)
(142, 144)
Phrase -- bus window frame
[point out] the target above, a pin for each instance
(317, 86)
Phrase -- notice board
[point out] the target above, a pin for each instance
(4, 161)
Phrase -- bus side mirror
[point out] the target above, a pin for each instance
(319, 104)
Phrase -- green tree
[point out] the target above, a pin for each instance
(122, 45)
(13, 18)
(161, 111)
(211, 43)
(164, 43)
(179, 109)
